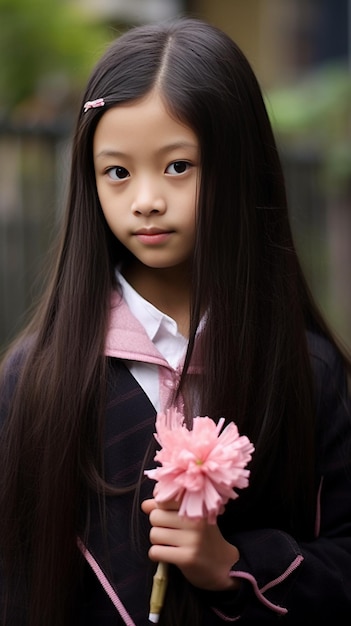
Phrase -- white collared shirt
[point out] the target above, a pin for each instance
(162, 330)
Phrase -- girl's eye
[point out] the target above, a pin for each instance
(118, 173)
(178, 167)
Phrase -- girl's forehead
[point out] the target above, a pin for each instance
(144, 120)
(150, 105)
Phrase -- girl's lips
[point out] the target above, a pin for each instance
(152, 237)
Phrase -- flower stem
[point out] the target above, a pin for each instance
(158, 592)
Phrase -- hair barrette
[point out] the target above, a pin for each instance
(93, 104)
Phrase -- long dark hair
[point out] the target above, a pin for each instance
(246, 275)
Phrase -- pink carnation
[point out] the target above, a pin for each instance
(199, 467)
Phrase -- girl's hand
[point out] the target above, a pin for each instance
(197, 548)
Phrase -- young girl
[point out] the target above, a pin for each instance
(177, 284)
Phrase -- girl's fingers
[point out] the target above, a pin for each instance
(169, 505)
(166, 537)
(148, 505)
(151, 504)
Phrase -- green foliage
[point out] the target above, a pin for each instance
(42, 38)
(315, 114)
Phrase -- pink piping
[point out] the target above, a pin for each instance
(105, 584)
(259, 592)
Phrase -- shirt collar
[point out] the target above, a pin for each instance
(151, 318)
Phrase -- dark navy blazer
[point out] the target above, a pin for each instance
(282, 579)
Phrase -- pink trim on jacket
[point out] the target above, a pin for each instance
(105, 584)
(259, 592)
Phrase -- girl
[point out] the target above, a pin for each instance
(177, 284)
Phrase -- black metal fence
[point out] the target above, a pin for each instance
(33, 175)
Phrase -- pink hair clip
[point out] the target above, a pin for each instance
(93, 104)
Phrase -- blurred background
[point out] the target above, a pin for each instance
(301, 53)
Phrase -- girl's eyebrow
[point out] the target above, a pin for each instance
(110, 153)
(167, 148)
(178, 144)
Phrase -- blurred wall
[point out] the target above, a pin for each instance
(281, 38)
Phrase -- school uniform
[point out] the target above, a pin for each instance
(281, 579)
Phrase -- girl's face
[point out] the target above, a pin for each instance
(147, 171)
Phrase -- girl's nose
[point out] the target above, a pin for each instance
(148, 200)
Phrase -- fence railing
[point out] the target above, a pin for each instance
(33, 173)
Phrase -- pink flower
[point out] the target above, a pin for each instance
(200, 467)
